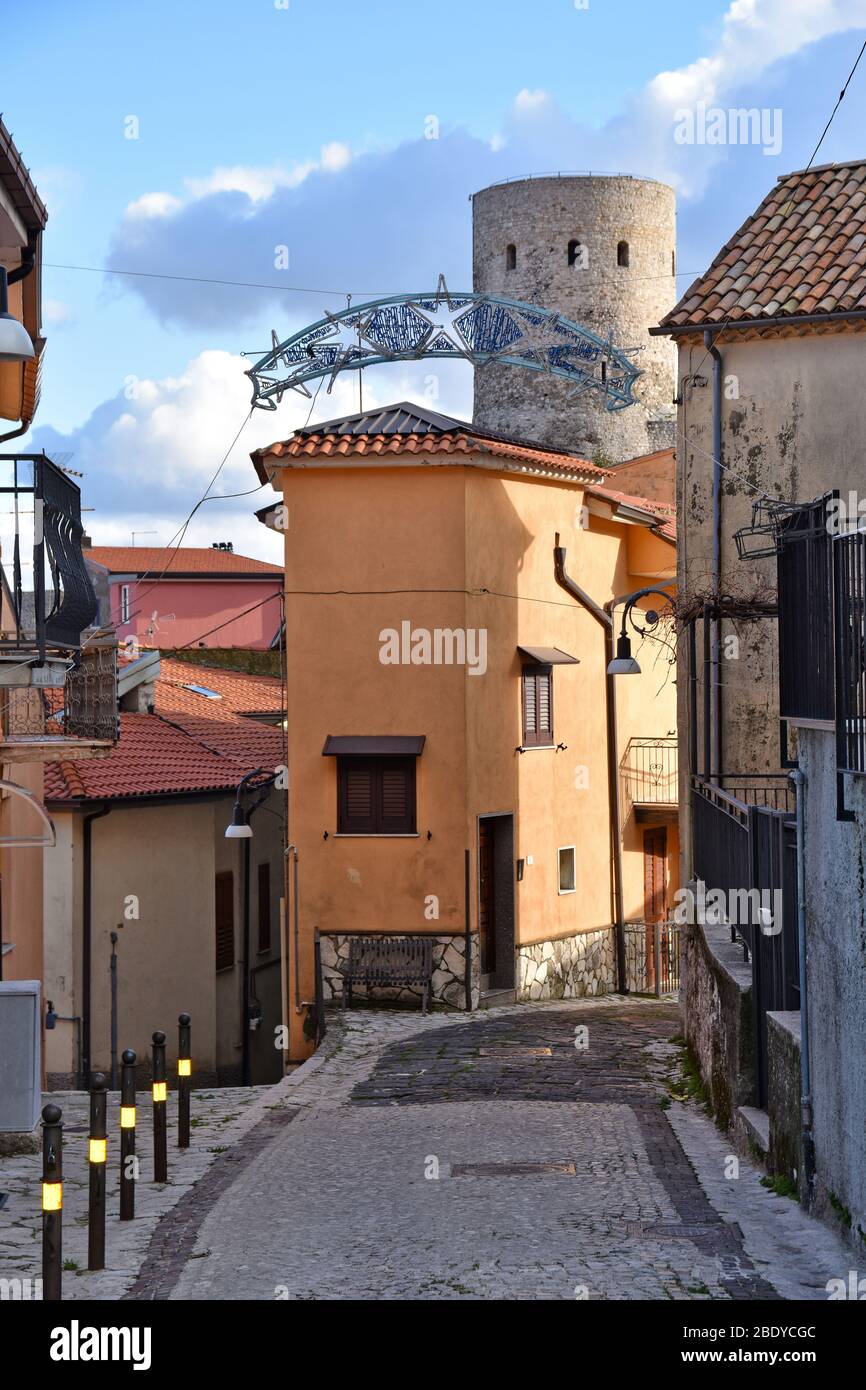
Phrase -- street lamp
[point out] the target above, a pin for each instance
(15, 344)
(624, 664)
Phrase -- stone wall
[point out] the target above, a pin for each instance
(716, 998)
(540, 217)
(570, 967)
(783, 1097)
(448, 985)
(836, 983)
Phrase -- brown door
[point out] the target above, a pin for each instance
(655, 892)
(486, 898)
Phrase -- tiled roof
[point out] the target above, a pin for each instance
(240, 693)
(190, 744)
(664, 518)
(802, 252)
(152, 560)
(407, 429)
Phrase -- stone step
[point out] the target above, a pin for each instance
(756, 1124)
(491, 997)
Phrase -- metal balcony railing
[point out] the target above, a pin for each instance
(648, 770)
(41, 723)
(47, 597)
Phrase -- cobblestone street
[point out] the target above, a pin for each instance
(444, 1157)
(491, 1158)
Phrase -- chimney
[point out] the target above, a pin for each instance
(86, 542)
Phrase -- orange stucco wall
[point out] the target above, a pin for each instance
(428, 534)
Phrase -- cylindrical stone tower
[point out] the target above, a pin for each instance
(601, 250)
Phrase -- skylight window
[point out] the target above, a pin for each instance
(203, 690)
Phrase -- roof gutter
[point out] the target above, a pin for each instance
(779, 321)
(605, 620)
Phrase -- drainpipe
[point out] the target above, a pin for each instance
(605, 620)
(293, 851)
(717, 549)
(86, 941)
(799, 780)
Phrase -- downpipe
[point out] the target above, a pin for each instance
(716, 576)
(799, 780)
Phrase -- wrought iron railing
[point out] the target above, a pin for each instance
(747, 850)
(84, 708)
(48, 597)
(648, 769)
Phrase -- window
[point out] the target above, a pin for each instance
(511, 257)
(264, 907)
(576, 254)
(622, 254)
(567, 880)
(537, 706)
(124, 603)
(375, 796)
(224, 915)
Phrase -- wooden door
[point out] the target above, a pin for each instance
(486, 898)
(655, 892)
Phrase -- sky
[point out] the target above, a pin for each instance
(194, 139)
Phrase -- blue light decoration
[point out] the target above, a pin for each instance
(479, 328)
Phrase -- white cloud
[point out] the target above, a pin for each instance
(335, 156)
(55, 313)
(153, 205)
(527, 100)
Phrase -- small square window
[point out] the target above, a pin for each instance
(537, 706)
(567, 881)
(124, 603)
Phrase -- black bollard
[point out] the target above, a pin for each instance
(97, 1154)
(160, 1093)
(127, 1136)
(52, 1203)
(184, 1081)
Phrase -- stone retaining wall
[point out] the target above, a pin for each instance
(570, 968)
(448, 985)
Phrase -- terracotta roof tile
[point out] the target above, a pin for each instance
(796, 254)
(152, 560)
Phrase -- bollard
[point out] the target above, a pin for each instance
(52, 1203)
(127, 1136)
(160, 1092)
(96, 1155)
(184, 1082)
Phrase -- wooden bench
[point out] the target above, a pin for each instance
(396, 961)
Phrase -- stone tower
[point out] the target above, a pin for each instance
(601, 249)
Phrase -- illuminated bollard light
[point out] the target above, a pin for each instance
(127, 1136)
(184, 1079)
(160, 1097)
(96, 1155)
(52, 1203)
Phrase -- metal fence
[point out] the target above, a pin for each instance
(805, 598)
(748, 851)
(652, 957)
(851, 653)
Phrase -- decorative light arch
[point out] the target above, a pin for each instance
(479, 328)
(28, 841)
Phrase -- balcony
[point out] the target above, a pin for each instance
(648, 778)
(58, 678)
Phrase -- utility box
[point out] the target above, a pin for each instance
(20, 1055)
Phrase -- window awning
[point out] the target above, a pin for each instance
(376, 746)
(549, 656)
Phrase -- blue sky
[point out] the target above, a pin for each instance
(303, 125)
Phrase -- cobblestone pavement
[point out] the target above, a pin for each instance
(489, 1157)
(220, 1120)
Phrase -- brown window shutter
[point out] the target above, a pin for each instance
(537, 706)
(224, 914)
(375, 796)
(264, 907)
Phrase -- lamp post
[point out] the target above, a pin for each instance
(624, 664)
(15, 343)
(240, 829)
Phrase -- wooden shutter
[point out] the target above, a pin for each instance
(264, 907)
(397, 796)
(375, 796)
(224, 913)
(537, 706)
